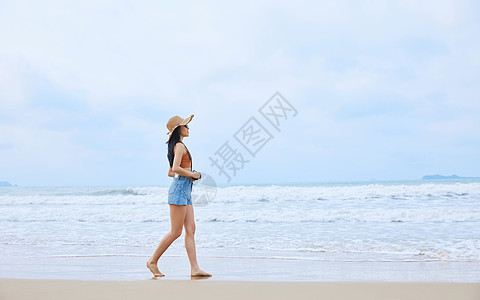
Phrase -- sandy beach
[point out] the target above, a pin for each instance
(210, 289)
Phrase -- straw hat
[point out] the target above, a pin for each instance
(174, 122)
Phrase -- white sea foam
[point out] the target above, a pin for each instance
(356, 192)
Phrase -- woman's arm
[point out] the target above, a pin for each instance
(179, 150)
(170, 172)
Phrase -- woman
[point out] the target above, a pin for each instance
(179, 197)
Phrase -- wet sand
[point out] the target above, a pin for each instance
(117, 267)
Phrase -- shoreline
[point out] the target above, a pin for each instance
(208, 289)
(130, 268)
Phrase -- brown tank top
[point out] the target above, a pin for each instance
(186, 161)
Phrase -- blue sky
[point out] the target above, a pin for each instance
(383, 89)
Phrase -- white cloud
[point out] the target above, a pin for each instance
(360, 74)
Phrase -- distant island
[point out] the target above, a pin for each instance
(5, 184)
(430, 177)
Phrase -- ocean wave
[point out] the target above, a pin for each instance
(119, 192)
(372, 193)
(427, 192)
(438, 215)
(144, 214)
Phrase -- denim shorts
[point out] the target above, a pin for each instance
(180, 192)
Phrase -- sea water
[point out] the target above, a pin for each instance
(418, 221)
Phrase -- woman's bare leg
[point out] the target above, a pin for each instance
(190, 243)
(177, 218)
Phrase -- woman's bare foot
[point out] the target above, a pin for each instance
(200, 273)
(154, 269)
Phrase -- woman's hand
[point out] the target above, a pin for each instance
(196, 175)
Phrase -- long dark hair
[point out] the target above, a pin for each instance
(174, 139)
